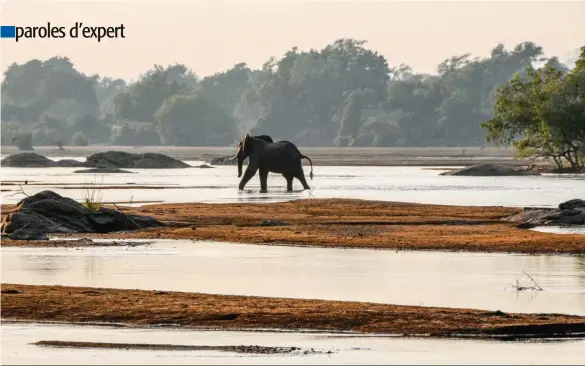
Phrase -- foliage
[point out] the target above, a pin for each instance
(92, 196)
(542, 114)
(140, 101)
(193, 120)
(344, 94)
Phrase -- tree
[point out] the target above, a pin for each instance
(193, 120)
(304, 94)
(141, 100)
(543, 114)
(54, 85)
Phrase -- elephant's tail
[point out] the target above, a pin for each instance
(306, 157)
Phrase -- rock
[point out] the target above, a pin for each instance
(103, 170)
(69, 163)
(120, 159)
(27, 160)
(26, 233)
(571, 212)
(489, 170)
(204, 166)
(273, 223)
(48, 212)
(574, 203)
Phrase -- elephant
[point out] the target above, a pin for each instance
(282, 157)
(264, 137)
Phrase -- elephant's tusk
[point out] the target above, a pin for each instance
(234, 158)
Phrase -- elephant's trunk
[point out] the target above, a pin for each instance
(240, 163)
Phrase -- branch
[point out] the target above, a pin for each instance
(128, 217)
(532, 279)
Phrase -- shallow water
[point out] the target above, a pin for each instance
(16, 348)
(459, 280)
(220, 184)
(561, 229)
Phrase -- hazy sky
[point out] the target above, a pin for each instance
(211, 36)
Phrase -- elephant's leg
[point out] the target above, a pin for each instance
(301, 177)
(289, 182)
(264, 180)
(248, 174)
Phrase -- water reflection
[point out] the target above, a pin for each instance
(468, 280)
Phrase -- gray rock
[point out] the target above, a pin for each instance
(28, 233)
(121, 159)
(48, 212)
(27, 160)
(69, 163)
(574, 203)
(571, 212)
(103, 170)
(483, 170)
(205, 166)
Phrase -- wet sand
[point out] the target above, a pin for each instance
(146, 308)
(345, 223)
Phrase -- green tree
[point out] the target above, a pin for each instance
(193, 120)
(542, 114)
(140, 100)
(53, 86)
(305, 93)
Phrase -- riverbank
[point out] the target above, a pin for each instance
(332, 156)
(343, 223)
(67, 304)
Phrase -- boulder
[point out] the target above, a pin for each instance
(49, 212)
(69, 163)
(26, 233)
(27, 160)
(484, 170)
(121, 159)
(574, 203)
(571, 212)
(204, 166)
(103, 170)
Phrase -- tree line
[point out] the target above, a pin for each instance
(342, 95)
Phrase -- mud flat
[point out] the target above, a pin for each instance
(147, 308)
(346, 223)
